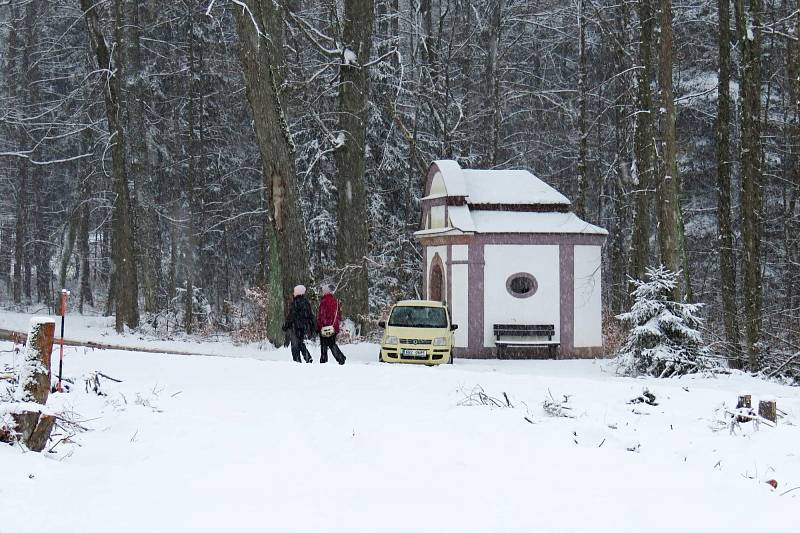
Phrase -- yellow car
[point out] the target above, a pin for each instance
(418, 331)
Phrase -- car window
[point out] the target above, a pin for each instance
(418, 317)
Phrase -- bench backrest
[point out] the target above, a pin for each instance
(524, 330)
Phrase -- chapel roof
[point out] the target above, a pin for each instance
(498, 201)
(499, 187)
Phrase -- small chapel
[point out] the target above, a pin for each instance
(519, 272)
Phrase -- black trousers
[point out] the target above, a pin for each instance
(298, 343)
(330, 342)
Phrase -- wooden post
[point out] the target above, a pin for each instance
(745, 400)
(768, 409)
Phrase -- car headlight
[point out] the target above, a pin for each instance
(440, 341)
(391, 340)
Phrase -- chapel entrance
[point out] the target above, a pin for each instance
(436, 281)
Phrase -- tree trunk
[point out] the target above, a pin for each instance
(41, 247)
(492, 83)
(669, 214)
(583, 178)
(190, 189)
(20, 233)
(126, 289)
(263, 66)
(83, 244)
(749, 36)
(793, 185)
(352, 228)
(644, 157)
(148, 238)
(15, 69)
(727, 255)
(618, 250)
(69, 247)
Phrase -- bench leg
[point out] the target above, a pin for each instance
(500, 350)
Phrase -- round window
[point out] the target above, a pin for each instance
(522, 285)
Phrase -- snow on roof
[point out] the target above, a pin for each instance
(511, 187)
(436, 231)
(460, 218)
(486, 190)
(452, 176)
(479, 221)
(419, 303)
(532, 222)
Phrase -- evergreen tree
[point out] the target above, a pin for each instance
(663, 341)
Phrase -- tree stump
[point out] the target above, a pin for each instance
(31, 426)
(745, 400)
(33, 377)
(768, 409)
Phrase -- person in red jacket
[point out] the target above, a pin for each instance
(329, 320)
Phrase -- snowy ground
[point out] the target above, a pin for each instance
(100, 329)
(191, 443)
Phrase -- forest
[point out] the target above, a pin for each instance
(182, 165)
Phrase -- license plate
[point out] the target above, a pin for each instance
(415, 353)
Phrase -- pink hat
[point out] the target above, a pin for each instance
(300, 290)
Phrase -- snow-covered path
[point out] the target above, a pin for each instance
(237, 444)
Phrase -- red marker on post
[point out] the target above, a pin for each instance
(64, 296)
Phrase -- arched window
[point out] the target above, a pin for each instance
(522, 285)
(436, 285)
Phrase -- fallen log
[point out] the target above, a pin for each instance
(6, 334)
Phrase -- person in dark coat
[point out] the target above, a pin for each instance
(329, 320)
(299, 324)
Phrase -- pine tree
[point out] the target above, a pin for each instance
(663, 341)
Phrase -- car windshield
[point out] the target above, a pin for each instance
(418, 317)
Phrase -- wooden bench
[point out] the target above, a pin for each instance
(511, 335)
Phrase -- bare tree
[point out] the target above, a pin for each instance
(668, 188)
(352, 237)
(126, 287)
(727, 254)
(259, 24)
(748, 22)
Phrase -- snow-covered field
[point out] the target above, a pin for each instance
(259, 443)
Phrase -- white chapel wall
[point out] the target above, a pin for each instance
(459, 252)
(459, 304)
(437, 217)
(542, 261)
(588, 305)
